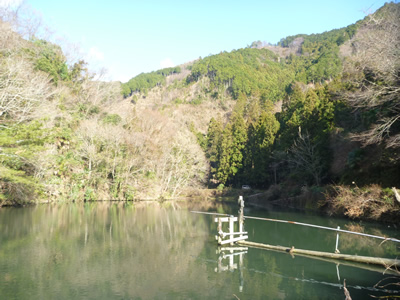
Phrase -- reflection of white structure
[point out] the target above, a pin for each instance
(232, 265)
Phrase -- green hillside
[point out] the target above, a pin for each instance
(315, 116)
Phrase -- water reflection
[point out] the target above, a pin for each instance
(321, 240)
(100, 250)
(229, 254)
(152, 251)
(291, 277)
(233, 259)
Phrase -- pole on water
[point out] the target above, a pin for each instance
(337, 272)
(219, 239)
(337, 241)
(231, 228)
(240, 213)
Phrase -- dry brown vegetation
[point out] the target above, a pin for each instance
(147, 154)
(368, 202)
(372, 73)
(97, 146)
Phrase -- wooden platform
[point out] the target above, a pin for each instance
(386, 262)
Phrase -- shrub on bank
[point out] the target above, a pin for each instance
(368, 202)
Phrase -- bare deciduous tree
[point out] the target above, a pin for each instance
(20, 88)
(304, 156)
(373, 75)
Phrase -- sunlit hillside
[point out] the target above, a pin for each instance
(312, 116)
(67, 136)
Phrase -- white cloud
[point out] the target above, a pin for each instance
(167, 63)
(120, 73)
(10, 3)
(95, 54)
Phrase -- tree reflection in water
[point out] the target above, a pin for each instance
(147, 251)
(99, 249)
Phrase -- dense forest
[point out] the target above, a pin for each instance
(313, 116)
(146, 81)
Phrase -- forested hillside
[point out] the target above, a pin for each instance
(315, 115)
(339, 122)
(65, 135)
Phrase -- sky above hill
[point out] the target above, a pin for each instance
(128, 37)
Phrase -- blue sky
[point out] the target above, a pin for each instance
(130, 37)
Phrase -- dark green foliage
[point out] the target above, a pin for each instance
(306, 122)
(239, 153)
(238, 131)
(320, 53)
(224, 155)
(355, 158)
(335, 36)
(169, 71)
(311, 110)
(231, 146)
(50, 59)
(125, 90)
(224, 149)
(146, 81)
(243, 152)
(20, 145)
(248, 71)
(214, 136)
(142, 83)
(319, 62)
(261, 136)
(259, 71)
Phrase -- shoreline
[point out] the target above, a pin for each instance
(259, 199)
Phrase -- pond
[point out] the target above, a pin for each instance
(162, 251)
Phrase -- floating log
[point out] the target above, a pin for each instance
(386, 262)
(369, 267)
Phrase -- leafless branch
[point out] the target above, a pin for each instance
(373, 72)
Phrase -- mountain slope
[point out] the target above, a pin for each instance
(283, 116)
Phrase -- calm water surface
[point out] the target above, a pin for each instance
(131, 251)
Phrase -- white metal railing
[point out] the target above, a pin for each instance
(326, 228)
(242, 235)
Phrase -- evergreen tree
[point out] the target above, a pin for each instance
(214, 136)
(224, 154)
(239, 139)
(261, 137)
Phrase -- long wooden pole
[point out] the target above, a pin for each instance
(387, 262)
